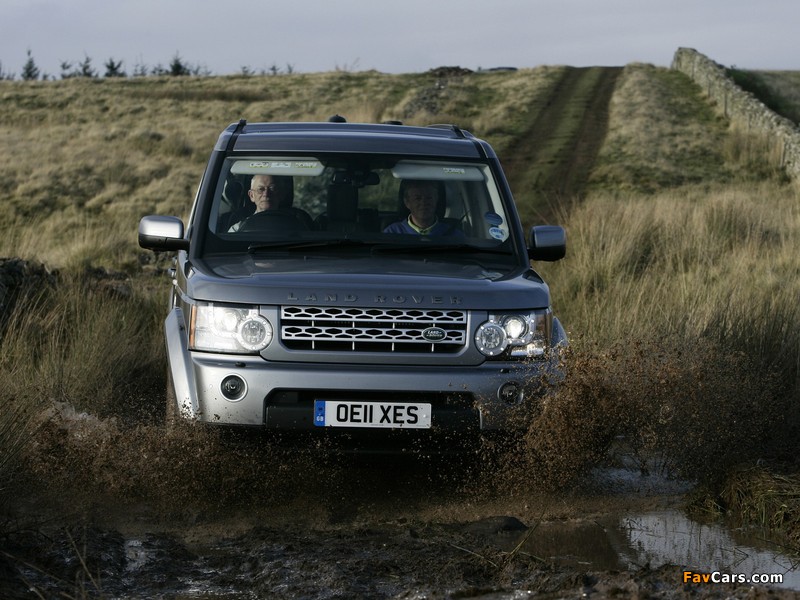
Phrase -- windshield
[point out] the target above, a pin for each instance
(358, 204)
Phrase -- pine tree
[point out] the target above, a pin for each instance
(86, 69)
(30, 72)
(66, 70)
(114, 68)
(177, 67)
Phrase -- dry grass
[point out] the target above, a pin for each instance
(499, 108)
(688, 262)
(91, 339)
(663, 134)
(756, 495)
(682, 306)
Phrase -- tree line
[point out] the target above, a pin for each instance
(177, 67)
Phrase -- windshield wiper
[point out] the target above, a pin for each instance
(304, 244)
(456, 248)
(377, 247)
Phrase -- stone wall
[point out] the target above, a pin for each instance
(741, 107)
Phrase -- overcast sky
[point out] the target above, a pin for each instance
(400, 36)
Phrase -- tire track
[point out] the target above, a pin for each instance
(550, 162)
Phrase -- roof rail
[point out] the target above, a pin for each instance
(454, 128)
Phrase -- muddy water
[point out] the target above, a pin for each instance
(656, 539)
(413, 560)
(362, 536)
(670, 537)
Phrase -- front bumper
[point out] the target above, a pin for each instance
(281, 395)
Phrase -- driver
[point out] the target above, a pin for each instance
(267, 193)
(421, 198)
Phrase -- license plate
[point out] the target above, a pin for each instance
(347, 413)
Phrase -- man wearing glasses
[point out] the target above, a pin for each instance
(267, 193)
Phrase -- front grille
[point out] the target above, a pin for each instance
(373, 329)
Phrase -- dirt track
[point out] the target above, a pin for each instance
(551, 159)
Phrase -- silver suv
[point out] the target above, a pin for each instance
(359, 281)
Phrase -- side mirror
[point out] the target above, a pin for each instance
(548, 242)
(162, 233)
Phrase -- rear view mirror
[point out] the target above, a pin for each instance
(357, 179)
(162, 233)
(548, 243)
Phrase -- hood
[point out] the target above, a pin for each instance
(363, 282)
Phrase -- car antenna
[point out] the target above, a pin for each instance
(236, 131)
(337, 119)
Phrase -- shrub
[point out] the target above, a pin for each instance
(30, 72)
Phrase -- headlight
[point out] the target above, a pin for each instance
(515, 326)
(515, 335)
(227, 328)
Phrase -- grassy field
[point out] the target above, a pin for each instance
(681, 269)
(779, 90)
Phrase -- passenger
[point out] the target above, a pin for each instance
(421, 198)
(267, 193)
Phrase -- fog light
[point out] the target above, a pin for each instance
(233, 387)
(510, 392)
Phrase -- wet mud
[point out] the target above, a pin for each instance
(119, 507)
(268, 523)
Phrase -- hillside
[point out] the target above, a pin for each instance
(119, 149)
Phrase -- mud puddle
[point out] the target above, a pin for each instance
(495, 557)
(619, 534)
(670, 537)
(144, 512)
(655, 540)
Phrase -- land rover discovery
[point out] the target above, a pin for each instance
(307, 295)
